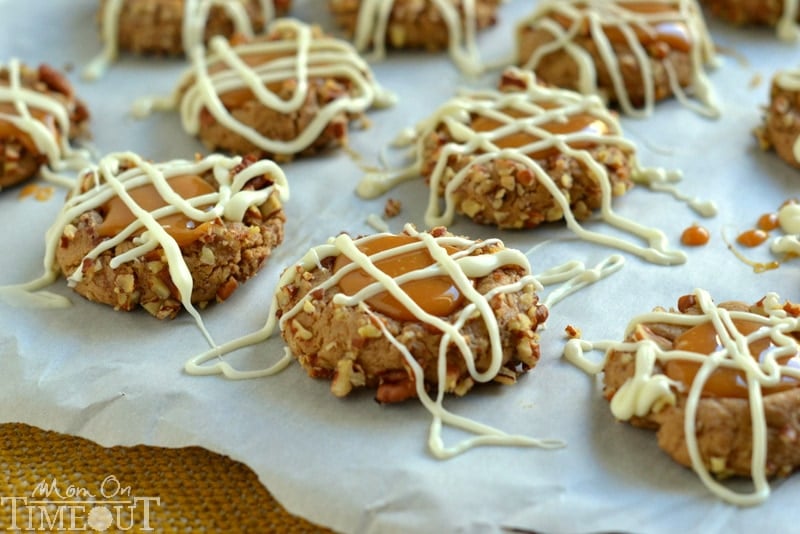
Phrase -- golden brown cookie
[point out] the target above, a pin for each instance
(176, 27)
(308, 87)
(719, 383)
(39, 116)
(781, 128)
(519, 157)
(426, 24)
(784, 14)
(381, 311)
(632, 53)
(168, 235)
(173, 27)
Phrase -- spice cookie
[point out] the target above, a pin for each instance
(631, 52)
(39, 116)
(783, 14)
(175, 27)
(428, 24)
(408, 312)
(521, 156)
(168, 235)
(781, 127)
(291, 92)
(719, 383)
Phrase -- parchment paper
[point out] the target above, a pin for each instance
(352, 464)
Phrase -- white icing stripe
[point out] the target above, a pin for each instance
(195, 19)
(298, 58)
(54, 145)
(647, 389)
(603, 14)
(461, 267)
(787, 25)
(111, 181)
(373, 29)
(535, 107)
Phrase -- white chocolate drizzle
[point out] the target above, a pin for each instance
(115, 176)
(574, 276)
(789, 80)
(535, 104)
(789, 221)
(787, 27)
(54, 145)
(299, 58)
(195, 19)
(373, 29)
(600, 15)
(461, 267)
(648, 389)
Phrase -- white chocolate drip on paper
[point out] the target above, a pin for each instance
(659, 179)
(54, 145)
(600, 15)
(195, 19)
(648, 389)
(789, 221)
(373, 29)
(113, 179)
(462, 266)
(574, 276)
(299, 58)
(789, 80)
(535, 105)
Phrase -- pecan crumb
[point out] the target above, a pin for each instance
(573, 332)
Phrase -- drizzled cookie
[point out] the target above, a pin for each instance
(290, 92)
(411, 312)
(39, 116)
(631, 52)
(783, 14)
(781, 128)
(428, 24)
(522, 156)
(166, 236)
(719, 383)
(175, 27)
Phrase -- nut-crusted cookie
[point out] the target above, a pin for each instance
(783, 14)
(781, 128)
(382, 311)
(39, 116)
(175, 27)
(521, 156)
(290, 92)
(525, 155)
(428, 24)
(632, 53)
(719, 383)
(168, 235)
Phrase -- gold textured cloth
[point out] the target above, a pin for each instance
(55, 482)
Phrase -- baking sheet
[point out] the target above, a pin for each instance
(351, 464)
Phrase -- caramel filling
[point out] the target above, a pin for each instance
(724, 381)
(579, 123)
(9, 131)
(437, 295)
(673, 32)
(117, 216)
(236, 98)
